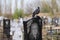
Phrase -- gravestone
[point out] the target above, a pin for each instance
(33, 29)
(17, 29)
(6, 27)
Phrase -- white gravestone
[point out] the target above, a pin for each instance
(17, 30)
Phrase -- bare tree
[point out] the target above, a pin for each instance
(29, 9)
(0, 6)
(15, 4)
(31, 6)
(54, 6)
(10, 6)
(22, 4)
(5, 6)
(10, 9)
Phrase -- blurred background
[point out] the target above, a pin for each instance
(24, 7)
(49, 12)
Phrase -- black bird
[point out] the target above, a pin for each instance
(37, 11)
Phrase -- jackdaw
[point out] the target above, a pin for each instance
(37, 11)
